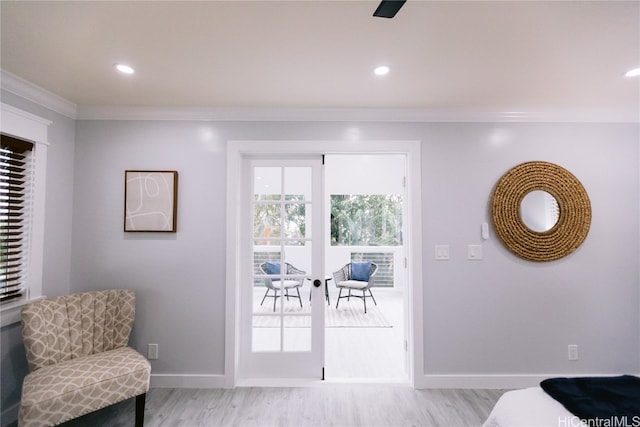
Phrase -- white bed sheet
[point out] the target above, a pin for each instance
(530, 407)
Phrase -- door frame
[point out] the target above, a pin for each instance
(237, 150)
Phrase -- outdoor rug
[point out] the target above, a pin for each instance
(350, 314)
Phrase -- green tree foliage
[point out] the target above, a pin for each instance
(366, 220)
(268, 218)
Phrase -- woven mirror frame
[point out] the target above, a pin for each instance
(574, 217)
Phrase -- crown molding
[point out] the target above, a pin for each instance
(86, 112)
(40, 96)
(27, 90)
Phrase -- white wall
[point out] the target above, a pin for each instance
(499, 316)
(179, 278)
(508, 316)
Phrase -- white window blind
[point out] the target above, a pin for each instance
(16, 207)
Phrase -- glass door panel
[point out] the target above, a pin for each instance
(286, 260)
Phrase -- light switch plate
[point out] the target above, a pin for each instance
(474, 252)
(442, 252)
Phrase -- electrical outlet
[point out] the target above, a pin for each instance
(572, 352)
(152, 351)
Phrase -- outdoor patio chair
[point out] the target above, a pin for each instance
(276, 285)
(356, 276)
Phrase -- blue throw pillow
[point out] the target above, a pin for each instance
(360, 271)
(272, 267)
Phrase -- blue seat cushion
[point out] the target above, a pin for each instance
(272, 267)
(360, 271)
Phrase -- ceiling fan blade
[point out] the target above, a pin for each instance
(388, 8)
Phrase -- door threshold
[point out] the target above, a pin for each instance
(314, 382)
(279, 382)
(369, 381)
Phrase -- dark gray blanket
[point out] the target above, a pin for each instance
(598, 398)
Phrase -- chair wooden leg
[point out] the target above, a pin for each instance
(300, 299)
(140, 399)
(374, 300)
(339, 296)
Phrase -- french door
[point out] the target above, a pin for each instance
(282, 289)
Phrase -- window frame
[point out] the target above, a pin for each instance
(23, 125)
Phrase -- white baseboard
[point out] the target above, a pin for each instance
(494, 381)
(480, 381)
(428, 381)
(188, 381)
(9, 415)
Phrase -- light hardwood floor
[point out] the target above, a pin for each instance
(327, 405)
(374, 354)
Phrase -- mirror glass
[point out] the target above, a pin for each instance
(539, 211)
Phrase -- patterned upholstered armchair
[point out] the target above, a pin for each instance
(79, 359)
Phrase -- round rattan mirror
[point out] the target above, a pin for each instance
(573, 216)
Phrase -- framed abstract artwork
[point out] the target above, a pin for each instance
(150, 200)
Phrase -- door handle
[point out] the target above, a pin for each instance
(317, 283)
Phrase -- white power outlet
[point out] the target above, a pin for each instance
(572, 352)
(152, 351)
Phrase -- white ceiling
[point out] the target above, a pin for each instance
(444, 55)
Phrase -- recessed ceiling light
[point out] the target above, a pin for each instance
(381, 70)
(124, 69)
(633, 73)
